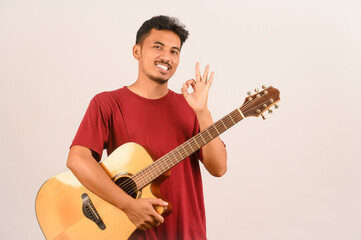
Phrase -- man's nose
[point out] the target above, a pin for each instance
(165, 56)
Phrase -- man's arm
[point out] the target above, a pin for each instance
(140, 211)
(214, 153)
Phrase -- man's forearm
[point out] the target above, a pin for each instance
(214, 153)
(93, 177)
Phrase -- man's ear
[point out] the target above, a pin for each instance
(136, 51)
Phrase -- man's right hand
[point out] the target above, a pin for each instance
(141, 212)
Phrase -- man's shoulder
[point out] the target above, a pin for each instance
(109, 96)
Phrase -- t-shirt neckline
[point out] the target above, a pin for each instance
(169, 93)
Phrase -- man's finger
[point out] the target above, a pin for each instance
(210, 80)
(191, 82)
(185, 86)
(185, 90)
(157, 218)
(198, 73)
(205, 74)
(145, 226)
(157, 201)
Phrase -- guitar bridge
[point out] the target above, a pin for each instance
(90, 211)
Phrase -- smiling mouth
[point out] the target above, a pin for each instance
(163, 66)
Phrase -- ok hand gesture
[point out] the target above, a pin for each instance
(197, 100)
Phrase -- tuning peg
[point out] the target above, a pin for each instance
(264, 86)
(263, 117)
(249, 93)
(276, 106)
(256, 90)
(270, 111)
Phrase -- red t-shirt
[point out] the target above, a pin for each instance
(159, 125)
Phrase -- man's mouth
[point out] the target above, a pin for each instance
(163, 67)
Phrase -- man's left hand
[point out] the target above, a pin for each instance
(197, 100)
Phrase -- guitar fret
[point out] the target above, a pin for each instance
(231, 119)
(221, 127)
(184, 149)
(190, 146)
(223, 124)
(162, 166)
(202, 138)
(174, 158)
(151, 173)
(166, 162)
(209, 134)
(179, 153)
(196, 143)
(240, 112)
(216, 129)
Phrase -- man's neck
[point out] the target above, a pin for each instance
(149, 89)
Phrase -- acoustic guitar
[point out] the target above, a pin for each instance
(65, 209)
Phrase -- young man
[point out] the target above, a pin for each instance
(150, 114)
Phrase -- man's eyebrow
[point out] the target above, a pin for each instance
(177, 48)
(160, 43)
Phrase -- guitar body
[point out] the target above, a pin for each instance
(62, 199)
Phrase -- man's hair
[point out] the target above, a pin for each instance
(162, 23)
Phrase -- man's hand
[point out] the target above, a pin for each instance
(142, 213)
(197, 100)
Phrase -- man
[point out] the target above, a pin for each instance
(150, 114)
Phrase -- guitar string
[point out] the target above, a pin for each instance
(140, 174)
(155, 166)
(127, 185)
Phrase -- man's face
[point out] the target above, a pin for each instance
(158, 55)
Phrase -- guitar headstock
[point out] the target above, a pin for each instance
(256, 104)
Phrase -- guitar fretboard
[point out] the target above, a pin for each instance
(163, 164)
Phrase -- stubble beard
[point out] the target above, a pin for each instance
(159, 80)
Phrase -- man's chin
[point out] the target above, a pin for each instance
(160, 80)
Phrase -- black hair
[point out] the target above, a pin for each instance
(162, 23)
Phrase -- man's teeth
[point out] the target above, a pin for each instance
(161, 66)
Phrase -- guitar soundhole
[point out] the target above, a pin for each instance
(128, 186)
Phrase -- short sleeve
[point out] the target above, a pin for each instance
(93, 132)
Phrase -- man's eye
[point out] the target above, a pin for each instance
(156, 46)
(175, 52)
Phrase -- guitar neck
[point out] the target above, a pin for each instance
(163, 164)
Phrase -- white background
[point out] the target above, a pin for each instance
(294, 176)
